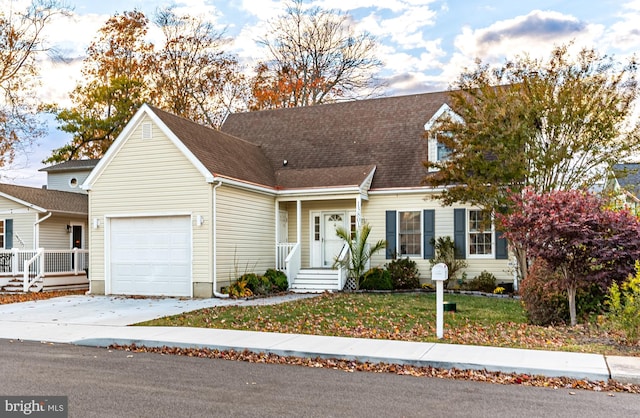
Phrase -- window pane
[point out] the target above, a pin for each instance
(443, 152)
(479, 233)
(410, 235)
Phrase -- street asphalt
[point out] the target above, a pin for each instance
(103, 320)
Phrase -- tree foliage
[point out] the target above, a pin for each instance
(112, 89)
(21, 42)
(576, 236)
(193, 76)
(189, 75)
(314, 56)
(555, 124)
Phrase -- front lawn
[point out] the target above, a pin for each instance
(499, 322)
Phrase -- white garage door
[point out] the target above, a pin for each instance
(151, 256)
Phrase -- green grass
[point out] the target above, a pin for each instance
(478, 320)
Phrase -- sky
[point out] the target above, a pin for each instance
(423, 44)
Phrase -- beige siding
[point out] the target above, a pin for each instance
(22, 223)
(246, 233)
(374, 212)
(151, 177)
(54, 235)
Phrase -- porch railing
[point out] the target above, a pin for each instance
(293, 263)
(73, 261)
(342, 263)
(283, 250)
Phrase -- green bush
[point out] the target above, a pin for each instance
(624, 306)
(376, 279)
(404, 273)
(484, 282)
(278, 279)
(259, 285)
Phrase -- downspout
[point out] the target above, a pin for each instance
(215, 245)
(36, 231)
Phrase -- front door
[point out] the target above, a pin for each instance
(76, 240)
(332, 244)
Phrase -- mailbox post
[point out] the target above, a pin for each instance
(439, 273)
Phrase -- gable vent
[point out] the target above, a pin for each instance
(146, 130)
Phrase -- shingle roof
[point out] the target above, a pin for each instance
(386, 132)
(71, 165)
(222, 154)
(51, 200)
(325, 177)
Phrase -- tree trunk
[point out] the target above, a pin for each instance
(571, 294)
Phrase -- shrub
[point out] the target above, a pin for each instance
(259, 285)
(278, 279)
(376, 279)
(404, 273)
(544, 303)
(445, 250)
(624, 306)
(239, 289)
(484, 282)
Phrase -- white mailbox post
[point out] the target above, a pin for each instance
(439, 273)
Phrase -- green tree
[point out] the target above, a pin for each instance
(113, 88)
(359, 251)
(314, 56)
(555, 124)
(21, 42)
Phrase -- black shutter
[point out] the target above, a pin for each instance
(391, 222)
(460, 232)
(429, 232)
(8, 234)
(502, 253)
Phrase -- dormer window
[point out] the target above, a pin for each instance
(437, 151)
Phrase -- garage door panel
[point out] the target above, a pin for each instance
(151, 256)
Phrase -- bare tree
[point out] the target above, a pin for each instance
(193, 76)
(20, 43)
(315, 56)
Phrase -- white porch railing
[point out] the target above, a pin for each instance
(342, 263)
(74, 261)
(283, 250)
(293, 263)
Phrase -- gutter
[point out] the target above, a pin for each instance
(215, 245)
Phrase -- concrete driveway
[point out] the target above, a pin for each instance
(117, 310)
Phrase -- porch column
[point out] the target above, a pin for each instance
(358, 212)
(298, 221)
(277, 230)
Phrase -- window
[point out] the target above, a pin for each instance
(352, 226)
(410, 233)
(73, 182)
(438, 152)
(2, 233)
(480, 233)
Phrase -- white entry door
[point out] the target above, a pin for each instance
(331, 243)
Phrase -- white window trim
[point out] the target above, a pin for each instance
(468, 238)
(399, 255)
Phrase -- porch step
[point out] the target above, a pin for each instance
(315, 280)
(51, 282)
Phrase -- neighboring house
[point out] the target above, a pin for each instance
(52, 221)
(180, 209)
(624, 186)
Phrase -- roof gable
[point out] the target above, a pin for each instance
(386, 132)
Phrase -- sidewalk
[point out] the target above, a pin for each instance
(34, 326)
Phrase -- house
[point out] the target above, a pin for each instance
(624, 185)
(180, 209)
(47, 226)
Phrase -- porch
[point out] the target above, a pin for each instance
(42, 269)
